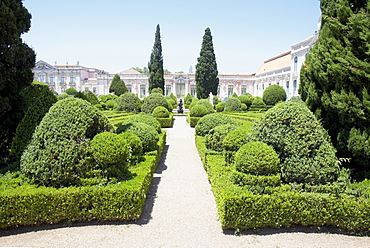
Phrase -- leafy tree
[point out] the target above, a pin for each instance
(91, 98)
(16, 63)
(144, 70)
(155, 65)
(117, 86)
(335, 81)
(206, 68)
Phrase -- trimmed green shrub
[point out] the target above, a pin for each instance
(257, 158)
(193, 102)
(166, 122)
(234, 95)
(206, 103)
(258, 103)
(105, 98)
(273, 94)
(216, 100)
(198, 111)
(58, 154)
(37, 99)
(171, 102)
(173, 97)
(111, 152)
(129, 102)
(147, 134)
(232, 105)
(110, 104)
(63, 96)
(220, 106)
(210, 121)
(193, 120)
(232, 142)
(154, 100)
(91, 98)
(188, 99)
(243, 179)
(71, 91)
(214, 139)
(157, 91)
(160, 112)
(147, 119)
(303, 145)
(134, 143)
(243, 107)
(246, 99)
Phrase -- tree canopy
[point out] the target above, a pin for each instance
(155, 65)
(117, 86)
(206, 68)
(335, 81)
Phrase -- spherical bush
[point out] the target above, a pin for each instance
(193, 102)
(157, 90)
(111, 152)
(110, 104)
(257, 158)
(147, 119)
(134, 143)
(215, 137)
(198, 111)
(210, 121)
(233, 141)
(306, 153)
(258, 103)
(206, 103)
(154, 100)
(160, 112)
(232, 105)
(129, 102)
(147, 134)
(246, 99)
(188, 99)
(58, 153)
(273, 94)
(220, 106)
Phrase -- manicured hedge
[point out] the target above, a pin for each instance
(166, 122)
(280, 206)
(31, 205)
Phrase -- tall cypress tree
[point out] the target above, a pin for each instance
(155, 65)
(16, 63)
(206, 68)
(117, 86)
(335, 81)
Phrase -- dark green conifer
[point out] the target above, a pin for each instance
(335, 81)
(206, 68)
(117, 86)
(155, 65)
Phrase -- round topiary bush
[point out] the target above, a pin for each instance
(160, 112)
(110, 104)
(220, 106)
(37, 99)
(147, 119)
(206, 103)
(111, 152)
(171, 102)
(134, 143)
(214, 139)
(247, 99)
(304, 147)
(198, 111)
(243, 107)
(257, 158)
(154, 100)
(232, 105)
(188, 99)
(129, 102)
(258, 103)
(71, 91)
(147, 134)
(273, 94)
(58, 154)
(157, 90)
(193, 102)
(233, 141)
(208, 122)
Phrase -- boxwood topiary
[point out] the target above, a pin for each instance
(160, 112)
(273, 94)
(206, 103)
(147, 119)
(110, 104)
(246, 99)
(220, 106)
(147, 134)
(152, 101)
(214, 139)
(232, 105)
(258, 103)
(134, 142)
(111, 152)
(198, 111)
(233, 141)
(193, 102)
(257, 158)
(211, 121)
(188, 99)
(303, 145)
(58, 154)
(129, 102)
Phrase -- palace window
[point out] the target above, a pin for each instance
(295, 63)
(193, 91)
(230, 90)
(244, 89)
(62, 79)
(129, 88)
(168, 90)
(42, 78)
(94, 90)
(142, 91)
(72, 79)
(86, 89)
(294, 85)
(51, 79)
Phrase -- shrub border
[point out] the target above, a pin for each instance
(243, 210)
(166, 122)
(33, 205)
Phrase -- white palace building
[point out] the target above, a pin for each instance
(282, 70)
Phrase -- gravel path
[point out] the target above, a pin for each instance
(180, 212)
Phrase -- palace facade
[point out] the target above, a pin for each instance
(282, 70)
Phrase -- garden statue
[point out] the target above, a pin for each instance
(180, 110)
(211, 97)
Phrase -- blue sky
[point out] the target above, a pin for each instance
(115, 35)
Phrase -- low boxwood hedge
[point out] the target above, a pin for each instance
(166, 122)
(239, 208)
(31, 205)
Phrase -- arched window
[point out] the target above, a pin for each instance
(295, 63)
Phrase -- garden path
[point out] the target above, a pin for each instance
(180, 211)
